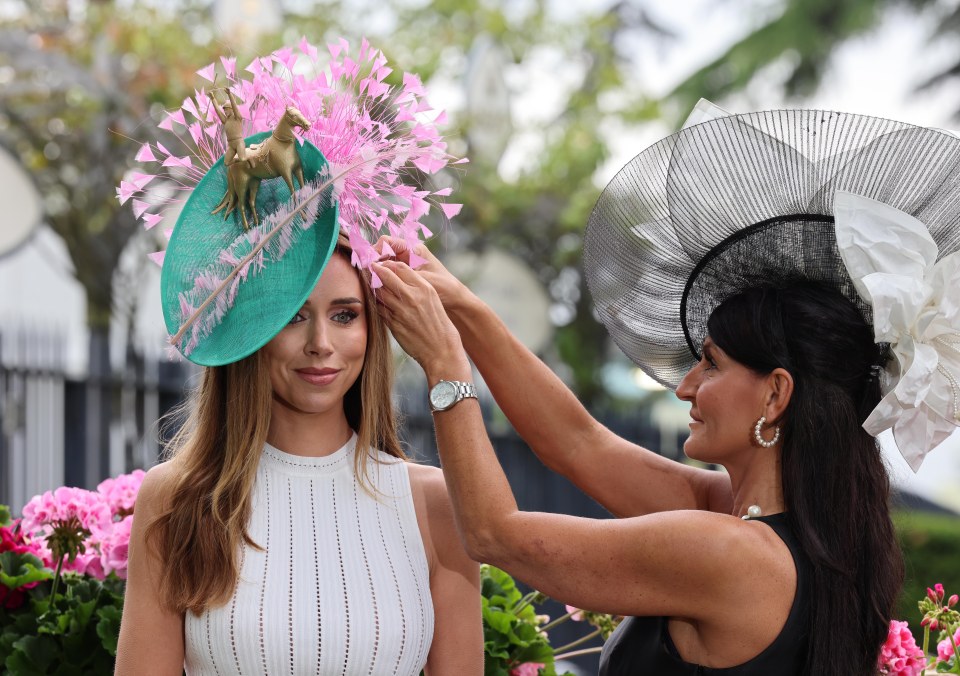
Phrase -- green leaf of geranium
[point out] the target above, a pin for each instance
(490, 669)
(18, 663)
(82, 612)
(499, 620)
(34, 655)
(5, 516)
(528, 614)
(54, 622)
(82, 588)
(527, 633)
(495, 652)
(17, 570)
(495, 582)
(535, 652)
(946, 667)
(108, 628)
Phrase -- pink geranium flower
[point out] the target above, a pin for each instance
(11, 599)
(121, 493)
(900, 655)
(43, 512)
(945, 650)
(113, 549)
(527, 669)
(12, 540)
(87, 564)
(575, 613)
(67, 520)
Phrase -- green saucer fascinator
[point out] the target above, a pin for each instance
(279, 163)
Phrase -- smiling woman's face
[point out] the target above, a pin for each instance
(726, 399)
(318, 356)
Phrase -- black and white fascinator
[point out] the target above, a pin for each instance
(866, 205)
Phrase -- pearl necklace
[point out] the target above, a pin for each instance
(753, 511)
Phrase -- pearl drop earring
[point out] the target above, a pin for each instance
(753, 511)
(759, 439)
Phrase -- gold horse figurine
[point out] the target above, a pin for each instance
(273, 157)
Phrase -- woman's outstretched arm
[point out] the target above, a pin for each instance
(689, 564)
(626, 479)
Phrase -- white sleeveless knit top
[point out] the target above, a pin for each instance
(342, 585)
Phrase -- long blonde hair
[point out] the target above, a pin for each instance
(203, 524)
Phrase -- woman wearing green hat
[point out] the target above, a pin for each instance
(287, 533)
(794, 276)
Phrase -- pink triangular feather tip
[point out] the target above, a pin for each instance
(207, 73)
(150, 220)
(145, 154)
(415, 260)
(451, 210)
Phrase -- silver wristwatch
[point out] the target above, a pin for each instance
(446, 393)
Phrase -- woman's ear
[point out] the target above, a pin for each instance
(779, 392)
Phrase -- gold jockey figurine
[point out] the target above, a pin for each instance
(232, 123)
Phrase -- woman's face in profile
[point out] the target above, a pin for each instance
(315, 358)
(726, 399)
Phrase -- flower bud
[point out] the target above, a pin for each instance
(939, 589)
(924, 622)
(932, 595)
(952, 601)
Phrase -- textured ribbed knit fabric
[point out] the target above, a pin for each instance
(342, 585)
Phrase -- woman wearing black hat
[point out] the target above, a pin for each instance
(715, 262)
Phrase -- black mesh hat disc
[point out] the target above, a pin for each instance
(745, 200)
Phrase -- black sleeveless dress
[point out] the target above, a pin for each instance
(642, 646)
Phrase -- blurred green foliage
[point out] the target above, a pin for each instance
(931, 549)
(82, 83)
(803, 36)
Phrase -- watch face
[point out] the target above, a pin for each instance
(443, 394)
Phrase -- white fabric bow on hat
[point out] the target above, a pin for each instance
(916, 308)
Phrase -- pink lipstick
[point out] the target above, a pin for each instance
(318, 376)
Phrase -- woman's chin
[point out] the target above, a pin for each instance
(694, 449)
(308, 405)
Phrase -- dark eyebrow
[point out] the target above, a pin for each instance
(346, 301)
(338, 301)
(709, 349)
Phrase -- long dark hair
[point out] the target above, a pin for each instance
(835, 484)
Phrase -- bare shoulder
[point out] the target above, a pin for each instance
(428, 481)
(430, 496)
(157, 488)
(434, 511)
(725, 538)
(744, 560)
